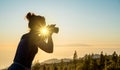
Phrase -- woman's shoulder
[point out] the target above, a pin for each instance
(25, 36)
(31, 37)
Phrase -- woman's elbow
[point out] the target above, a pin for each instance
(50, 51)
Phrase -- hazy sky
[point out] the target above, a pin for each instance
(84, 25)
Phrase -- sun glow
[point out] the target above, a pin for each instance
(44, 31)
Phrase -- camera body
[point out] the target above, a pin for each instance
(52, 28)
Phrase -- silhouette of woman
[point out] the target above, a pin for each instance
(29, 43)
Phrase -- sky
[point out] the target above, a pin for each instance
(88, 26)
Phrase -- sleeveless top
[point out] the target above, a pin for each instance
(26, 50)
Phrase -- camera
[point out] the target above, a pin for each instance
(46, 30)
(52, 28)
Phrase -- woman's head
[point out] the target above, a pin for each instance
(35, 21)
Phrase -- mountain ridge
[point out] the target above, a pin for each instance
(55, 60)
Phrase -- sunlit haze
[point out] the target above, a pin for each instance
(87, 26)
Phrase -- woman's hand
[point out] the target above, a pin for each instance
(46, 46)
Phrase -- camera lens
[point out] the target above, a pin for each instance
(56, 30)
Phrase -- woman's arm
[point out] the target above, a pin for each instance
(46, 46)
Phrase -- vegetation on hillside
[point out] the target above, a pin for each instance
(88, 62)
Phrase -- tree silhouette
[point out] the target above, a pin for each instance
(115, 59)
(75, 58)
(75, 55)
(62, 64)
(36, 66)
(87, 62)
(55, 68)
(102, 61)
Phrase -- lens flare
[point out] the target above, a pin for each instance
(44, 31)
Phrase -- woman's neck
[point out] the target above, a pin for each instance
(33, 31)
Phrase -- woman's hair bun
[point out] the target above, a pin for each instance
(29, 15)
